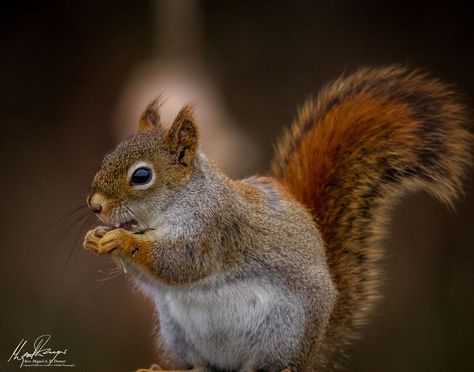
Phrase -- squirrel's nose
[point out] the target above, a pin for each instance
(96, 208)
(94, 201)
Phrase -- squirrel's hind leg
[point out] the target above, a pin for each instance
(156, 367)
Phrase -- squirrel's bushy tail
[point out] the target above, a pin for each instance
(351, 153)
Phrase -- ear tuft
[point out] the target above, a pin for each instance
(182, 137)
(150, 119)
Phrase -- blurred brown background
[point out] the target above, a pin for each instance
(71, 76)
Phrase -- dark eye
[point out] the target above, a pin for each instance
(141, 176)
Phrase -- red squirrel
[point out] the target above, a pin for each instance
(276, 272)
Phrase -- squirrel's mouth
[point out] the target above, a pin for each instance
(135, 226)
(130, 225)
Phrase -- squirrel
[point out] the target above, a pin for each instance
(277, 272)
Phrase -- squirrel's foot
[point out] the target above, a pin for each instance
(153, 367)
(156, 367)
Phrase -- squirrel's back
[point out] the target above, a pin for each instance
(351, 153)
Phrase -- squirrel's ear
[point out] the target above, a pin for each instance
(182, 137)
(150, 119)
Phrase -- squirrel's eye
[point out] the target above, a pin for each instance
(141, 176)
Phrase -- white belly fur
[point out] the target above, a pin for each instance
(219, 321)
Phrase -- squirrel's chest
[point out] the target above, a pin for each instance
(221, 321)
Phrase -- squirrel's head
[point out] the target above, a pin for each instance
(143, 173)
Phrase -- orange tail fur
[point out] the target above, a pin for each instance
(351, 153)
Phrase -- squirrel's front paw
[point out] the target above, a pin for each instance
(93, 237)
(104, 240)
(138, 247)
(116, 239)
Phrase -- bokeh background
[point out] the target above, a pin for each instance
(75, 75)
